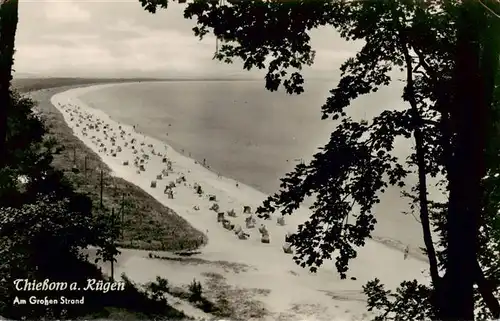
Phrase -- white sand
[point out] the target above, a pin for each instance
(294, 292)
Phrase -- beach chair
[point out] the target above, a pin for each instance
(242, 235)
(249, 222)
(263, 230)
(226, 224)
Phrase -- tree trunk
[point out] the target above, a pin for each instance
(8, 26)
(468, 115)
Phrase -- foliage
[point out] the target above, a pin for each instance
(29, 156)
(109, 231)
(158, 288)
(44, 230)
(410, 302)
(42, 240)
(196, 291)
(351, 169)
(45, 223)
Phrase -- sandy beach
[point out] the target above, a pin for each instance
(262, 280)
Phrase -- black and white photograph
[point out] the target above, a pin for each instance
(264, 160)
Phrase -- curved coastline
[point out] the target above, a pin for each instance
(253, 149)
(80, 91)
(392, 230)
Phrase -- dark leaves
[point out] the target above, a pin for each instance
(241, 25)
(345, 177)
(411, 301)
(152, 5)
(50, 223)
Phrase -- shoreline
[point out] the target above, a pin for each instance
(414, 250)
(115, 167)
(388, 242)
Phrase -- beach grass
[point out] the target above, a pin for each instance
(146, 224)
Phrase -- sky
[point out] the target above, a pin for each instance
(117, 38)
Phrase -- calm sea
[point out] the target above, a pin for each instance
(247, 133)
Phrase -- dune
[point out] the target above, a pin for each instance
(267, 276)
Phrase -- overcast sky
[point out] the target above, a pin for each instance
(118, 38)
